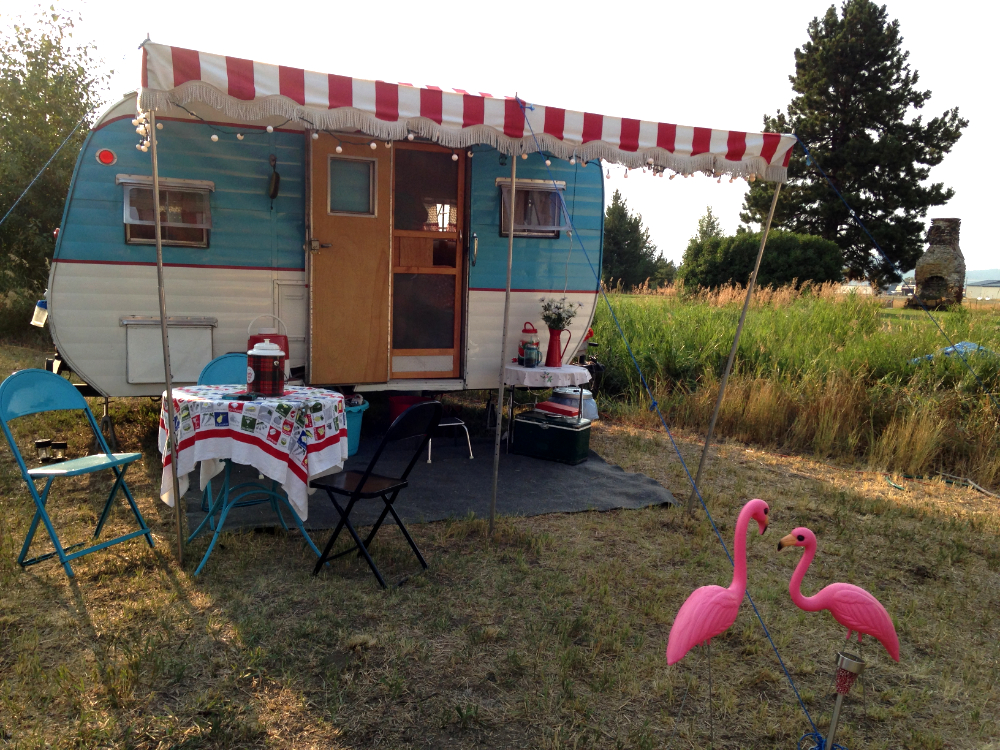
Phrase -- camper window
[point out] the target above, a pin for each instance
(537, 208)
(352, 186)
(185, 216)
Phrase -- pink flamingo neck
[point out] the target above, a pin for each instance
(808, 603)
(739, 584)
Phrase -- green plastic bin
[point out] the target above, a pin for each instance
(354, 416)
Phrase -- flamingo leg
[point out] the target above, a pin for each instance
(859, 637)
(711, 709)
(849, 633)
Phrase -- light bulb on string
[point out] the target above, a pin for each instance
(135, 122)
(548, 162)
(649, 160)
(388, 144)
(608, 175)
(144, 149)
(138, 147)
(270, 129)
(239, 136)
(159, 126)
(719, 180)
(673, 176)
(373, 145)
(215, 138)
(409, 136)
(626, 174)
(470, 154)
(315, 136)
(524, 156)
(339, 149)
(572, 161)
(732, 180)
(454, 156)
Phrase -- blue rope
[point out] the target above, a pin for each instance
(812, 162)
(11, 209)
(655, 407)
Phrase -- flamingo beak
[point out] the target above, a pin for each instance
(787, 541)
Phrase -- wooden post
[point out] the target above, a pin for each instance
(171, 433)
(732, 352)
(503, 346)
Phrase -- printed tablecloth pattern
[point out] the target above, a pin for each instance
(545, 377)
(302, 434)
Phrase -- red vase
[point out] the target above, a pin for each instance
(554, 355)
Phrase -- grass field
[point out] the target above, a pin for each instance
(817, 373)
(551, 635)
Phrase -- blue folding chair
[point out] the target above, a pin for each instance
(231, 369)
(33, 391)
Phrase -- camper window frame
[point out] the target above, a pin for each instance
(145, 182)
(528, 185)
(372, 185)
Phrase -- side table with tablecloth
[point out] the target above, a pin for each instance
(518, 376)
(291, 439)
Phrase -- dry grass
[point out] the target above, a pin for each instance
(550, 636)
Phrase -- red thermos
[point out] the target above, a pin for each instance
(272, 335)
(266, 369)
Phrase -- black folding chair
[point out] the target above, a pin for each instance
(420, 420)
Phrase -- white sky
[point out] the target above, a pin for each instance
(718, 64)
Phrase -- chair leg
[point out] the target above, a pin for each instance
(429, 441)
(345, 522)
(333, 538)
(376, 527)
(119, 479)
(215, 538)
(44, 516)
(406, 533)
(468, 440)
(33, 528)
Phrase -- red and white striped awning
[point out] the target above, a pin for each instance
(249, 91)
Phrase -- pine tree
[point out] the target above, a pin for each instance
(630, 257)
(708, 226)
(855, 110)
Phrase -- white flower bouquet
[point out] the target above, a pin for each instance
(557, 313)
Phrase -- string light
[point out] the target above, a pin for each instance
(339, 149)
(454, 156)
(373, 145)
(626, 173)
(239, 136)
(270, 129)
(409, 136)
(548, 162)
(524, 156)
(673, 175)
(215, 138)
(388, 144)
(572, 161)
(649, 160)
(159, 126)
(315, 136)
(470, 154)
(608, 175)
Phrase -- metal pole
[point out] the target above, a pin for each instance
(503, 346)
(732, 352)
(171, 433)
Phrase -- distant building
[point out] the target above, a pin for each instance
(856, 287)
(983, 289)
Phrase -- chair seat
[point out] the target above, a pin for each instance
(84, 465)
(346, 482)
(451, 422)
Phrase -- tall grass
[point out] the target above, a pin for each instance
(816, 372)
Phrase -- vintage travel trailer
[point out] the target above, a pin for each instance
(369, 217)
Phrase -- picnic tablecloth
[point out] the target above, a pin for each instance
(290, 439)
(545, 377)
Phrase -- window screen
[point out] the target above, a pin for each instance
(185, 216)
(352, 186)
(537, 210)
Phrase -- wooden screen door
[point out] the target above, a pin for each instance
(349, 262)
(427, 262)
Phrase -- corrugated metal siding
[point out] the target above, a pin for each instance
(553, 264)
(245, 231)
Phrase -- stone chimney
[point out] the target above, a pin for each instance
(940, 273)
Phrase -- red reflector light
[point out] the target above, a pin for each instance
(106, 157)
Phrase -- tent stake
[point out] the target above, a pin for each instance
(732, 352)
(171, 434)
(503, 349)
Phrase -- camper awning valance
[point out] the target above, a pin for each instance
(251, 91)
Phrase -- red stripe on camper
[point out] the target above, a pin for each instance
(430, 104)
(513, 119)
(629, 138)
(341, 91)
(240, 75)
(292, 83)
(736, 145)
(666, 136)
(555, 122)
(771, 141)
(386, 101)
(701, 143)
(473, 110)
(593, 127)
(187, 65)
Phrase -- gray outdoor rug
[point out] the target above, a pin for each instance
(454, 486)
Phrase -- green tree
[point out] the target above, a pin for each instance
(717, 261)
(708, 226)
(855, 109)
(47, 84)
(630, 257)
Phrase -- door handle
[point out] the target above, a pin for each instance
(315, 245)
(475, 247)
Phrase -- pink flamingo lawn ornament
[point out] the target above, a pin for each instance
(850, 605)
(710, 610)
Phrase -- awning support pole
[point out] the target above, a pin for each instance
(171, 433)
(503, 346)
(732, 352)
